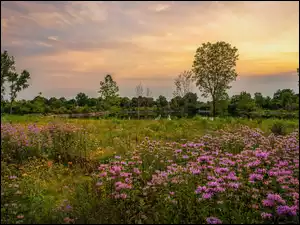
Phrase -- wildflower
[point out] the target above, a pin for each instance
(254, 176)
(234, 185)
(222, 170)
(123, 195)
(178, 151)
(262, 155)
(276, 198)
(207, 195)
(213, 220)
(200, 189)
(128, 181)
(286, 210)
(213, 184)
(172, 193)
(103, 174)
(266, 215)
(195, 171)
(268, 203)
(218, 189)
(49, 163)
(99, 183)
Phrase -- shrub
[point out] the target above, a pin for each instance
(278, 128)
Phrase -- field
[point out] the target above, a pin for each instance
(146, 171)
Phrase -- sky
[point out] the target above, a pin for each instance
(69, 47)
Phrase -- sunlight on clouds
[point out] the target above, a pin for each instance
(43, 44)
(142, 40)
(160, 7)
(53, 38)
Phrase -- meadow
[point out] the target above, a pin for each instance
(228, 170)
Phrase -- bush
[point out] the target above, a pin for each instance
(278, 128)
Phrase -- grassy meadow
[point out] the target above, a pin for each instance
(70, 171)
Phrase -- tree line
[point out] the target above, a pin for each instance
(213, 70)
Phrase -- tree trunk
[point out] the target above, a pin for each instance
(214, 108)
(138, 110)
(10, 111)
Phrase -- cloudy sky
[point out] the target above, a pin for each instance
(68, 47)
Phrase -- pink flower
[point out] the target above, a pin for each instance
(268, 203)
(266, 215)
(200, 189)
(103, 174)
(255, 176)
(276, 198)
(136, 171)
(123, 195)
(234, 185)
(207, 195)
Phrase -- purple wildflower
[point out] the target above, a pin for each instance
(213, 220)
(286, 210)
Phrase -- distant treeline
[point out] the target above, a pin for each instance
(283, 104)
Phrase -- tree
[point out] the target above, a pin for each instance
(283, 98)
(190, 103)
(17, 82)
(125, 103)
(92, 102)
(109, 91)
(177, 105)
(139, 94)
(7, 68)
(81, 99)
(148, 99)
(222, 104)
(259, 99)
(161, 103)
(241, 104)
(183, 84)
(214, 69)
(182, 87)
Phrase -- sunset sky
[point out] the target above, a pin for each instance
(68, 47)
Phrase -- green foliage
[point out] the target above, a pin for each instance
(7, 68)
(278, 128)
(109, 91)
(17, 82)
(214, 69)
(81, 99)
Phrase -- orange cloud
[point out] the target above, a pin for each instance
(139, 40)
